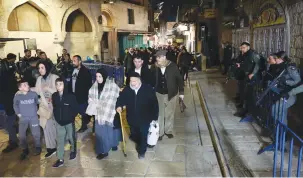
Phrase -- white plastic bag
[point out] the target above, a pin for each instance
(153, 133)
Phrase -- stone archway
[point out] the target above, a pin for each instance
(28, 17)
(80, 41)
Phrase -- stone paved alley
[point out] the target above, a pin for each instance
(190, 153)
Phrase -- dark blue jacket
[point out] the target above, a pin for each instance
(141, 108)
(66, 109)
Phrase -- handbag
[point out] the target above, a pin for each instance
(44, 112)
(153, 133)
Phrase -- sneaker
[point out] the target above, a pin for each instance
(72, 155)
(115, 148)
(170, 136)
(141, 156)
(102, 156)
(37, 151)
(58, 163)
(24, 154)
(11, 147)
(50, 152)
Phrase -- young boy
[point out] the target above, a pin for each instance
(25, 106)
(66, 109)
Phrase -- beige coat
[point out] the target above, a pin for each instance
(51, 83)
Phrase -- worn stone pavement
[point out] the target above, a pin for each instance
(190, 153)
(239, 142)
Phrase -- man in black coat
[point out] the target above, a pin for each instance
(80, 85)
(8, 88)
(142, 108)
(144, 72)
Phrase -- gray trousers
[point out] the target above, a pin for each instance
(33, 124)
(166, 114)
(66, 132)
(50, 134)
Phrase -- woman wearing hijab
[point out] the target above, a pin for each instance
(104, 94)
(45, 87)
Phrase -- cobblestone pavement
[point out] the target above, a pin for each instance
(190, 153)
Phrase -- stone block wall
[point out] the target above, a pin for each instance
(57, 12)
(119, 16)
(296, 31)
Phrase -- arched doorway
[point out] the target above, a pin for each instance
(109, 37)
(80, 33)
(269, 29)
(28, 17)
(78, 22)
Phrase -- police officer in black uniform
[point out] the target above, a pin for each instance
(8, 88)
(250, 66)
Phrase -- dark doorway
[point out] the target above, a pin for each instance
(104, 47)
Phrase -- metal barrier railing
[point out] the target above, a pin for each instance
(115, 72)
(271, 115)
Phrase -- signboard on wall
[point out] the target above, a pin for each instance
(31, 44)
(131, 37)
(209, 13)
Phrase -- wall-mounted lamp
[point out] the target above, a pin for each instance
(109, 1)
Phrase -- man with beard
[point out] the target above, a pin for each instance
(27, 55)
(142, 108)
(250, 67)
(80, 85)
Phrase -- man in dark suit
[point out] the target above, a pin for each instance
(80, 85)
(144, 72)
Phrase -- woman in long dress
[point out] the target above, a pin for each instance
(104, 94)
(45, 87)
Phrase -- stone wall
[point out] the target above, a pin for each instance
(57, 12)
(119, 16)
(296, 31)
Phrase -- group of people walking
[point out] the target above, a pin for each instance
(53, 102)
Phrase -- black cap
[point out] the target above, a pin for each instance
(11, 56)
(160, 53)
(134, 74)
(245, 43)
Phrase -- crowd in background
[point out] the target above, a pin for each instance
(40, 95)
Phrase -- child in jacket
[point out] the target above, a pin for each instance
(66, 109)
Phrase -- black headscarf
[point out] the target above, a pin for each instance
(104, 74)
(47, 67)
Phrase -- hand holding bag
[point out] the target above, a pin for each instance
(91, 109)
(44, 112)
(153, 133)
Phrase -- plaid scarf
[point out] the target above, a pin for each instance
(106, 103)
